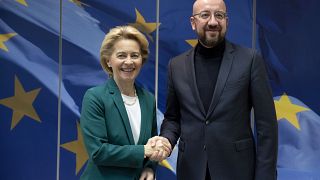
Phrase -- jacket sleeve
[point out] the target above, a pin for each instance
(265, 120)
(100, 151)
(170, 127)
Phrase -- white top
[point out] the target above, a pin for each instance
(134, 114)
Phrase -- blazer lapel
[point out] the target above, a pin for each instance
(144, 114)
(116, 96)
(222, 77)
(192, 80)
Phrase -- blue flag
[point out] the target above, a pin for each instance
(29, 75)
(29, 81)
(288, 39)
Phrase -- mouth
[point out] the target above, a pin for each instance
(213, 30)
(127, 69)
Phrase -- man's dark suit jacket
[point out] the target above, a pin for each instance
(222, 138)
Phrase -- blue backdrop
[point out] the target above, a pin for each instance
(287, 33)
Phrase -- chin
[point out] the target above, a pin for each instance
(128, 79)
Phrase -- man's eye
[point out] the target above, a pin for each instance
(205, 15)
(219, 15)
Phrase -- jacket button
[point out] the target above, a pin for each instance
(204, 147)
(207, 122)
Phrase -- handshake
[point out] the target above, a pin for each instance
(157, 148)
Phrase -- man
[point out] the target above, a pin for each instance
(211, 91)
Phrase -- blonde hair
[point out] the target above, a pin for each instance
(119, 33)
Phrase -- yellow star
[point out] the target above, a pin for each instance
(78, 3)
(192, 42)
(143, 26)
(79, 149)
(4, 38)
(21, 103)
(285, 109)
(166, 164)
(23, 2)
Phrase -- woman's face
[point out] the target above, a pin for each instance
(125, 61)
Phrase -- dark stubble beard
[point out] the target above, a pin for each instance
(208, 41)
(211, 41)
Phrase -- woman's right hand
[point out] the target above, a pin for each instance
(157, 148)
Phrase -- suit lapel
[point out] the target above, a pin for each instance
(116, 96)
(192, 80)
(144, 114)
(222, 77)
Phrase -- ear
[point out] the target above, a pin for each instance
(193, 24)
(108, 63)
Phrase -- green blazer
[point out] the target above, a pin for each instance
(108, 137)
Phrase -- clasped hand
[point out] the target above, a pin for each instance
(157, 148)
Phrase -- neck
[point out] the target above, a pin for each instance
(216, 51)
(217, 44)
(126, 88)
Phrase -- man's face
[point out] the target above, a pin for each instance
(210, 22)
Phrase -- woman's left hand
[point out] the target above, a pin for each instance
(147, 174)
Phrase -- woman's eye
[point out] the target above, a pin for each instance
(121, 56)
(135, 56)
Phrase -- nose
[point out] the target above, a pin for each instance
(128, 60)
(212, 21)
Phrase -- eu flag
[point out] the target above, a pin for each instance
(34, 97)
(288, 36)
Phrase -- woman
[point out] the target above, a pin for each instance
(118, 117)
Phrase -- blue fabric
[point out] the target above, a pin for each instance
(29, 46)
(288, 39)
